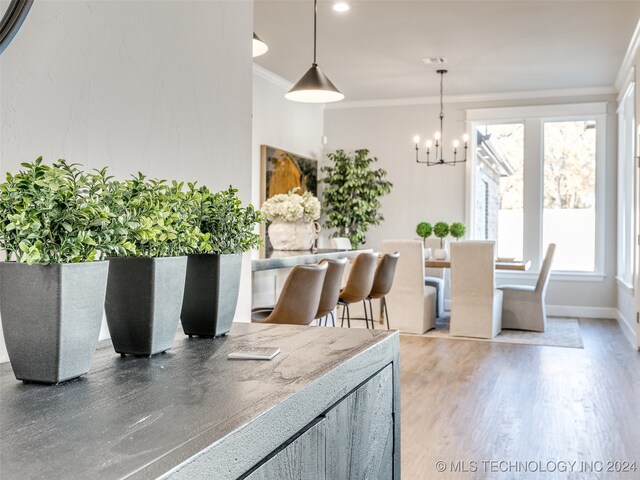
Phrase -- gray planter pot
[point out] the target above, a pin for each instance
(51, 318)
(211, 294)
(144, 297)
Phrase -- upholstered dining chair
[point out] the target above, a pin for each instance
(331, 289)
(341, 243)
(358, 285)
(382, 283)
(434, 277)
(413, 303)
(523, 306)
(299, 299)
(476, 304)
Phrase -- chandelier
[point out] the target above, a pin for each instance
(437, 144)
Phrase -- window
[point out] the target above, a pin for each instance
(499, 153)
(569, 216)
(626, 147)
(544, 169)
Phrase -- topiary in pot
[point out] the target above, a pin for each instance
(424, 230)
(441, 230)
(457, 230)
(147, 277)
(55, 231)
(213, 271)
(351, 197)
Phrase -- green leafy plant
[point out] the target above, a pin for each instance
(55, 214)
(424, 230)
(227, 227)
(457, 230)
(155, 219)
(351, 196)
(441, 230)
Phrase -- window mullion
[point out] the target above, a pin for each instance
(533, 188)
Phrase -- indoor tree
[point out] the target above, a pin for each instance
(351, 197)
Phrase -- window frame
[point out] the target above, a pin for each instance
(533, 118)
(626, 165)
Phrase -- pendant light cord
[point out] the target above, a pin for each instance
(315, 29)
(441, 104)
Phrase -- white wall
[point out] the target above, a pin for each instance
(438, 193)
(280, 123)
(160, 87)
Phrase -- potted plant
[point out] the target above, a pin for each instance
(457, 230)
(424, 230)
(292, 220)
(441, 230)
(55, 231)
(213, 272)
(351, 196)
(147, 278)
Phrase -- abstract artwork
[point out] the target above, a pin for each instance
(282, 171)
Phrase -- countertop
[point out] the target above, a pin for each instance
(271, 259)
(141, 418)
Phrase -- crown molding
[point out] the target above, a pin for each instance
(628, 60)
(480, 97)
(271, 77)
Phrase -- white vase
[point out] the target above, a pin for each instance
(440, 254)
(296, 235)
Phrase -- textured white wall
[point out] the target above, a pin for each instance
(438, 193)
(160, 87)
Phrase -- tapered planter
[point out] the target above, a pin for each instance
(211, 294)
(51, 317)
(144, 297)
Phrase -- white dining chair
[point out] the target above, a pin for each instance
(341, 243)
(412, 302)
(523, 306)
(476, 304)
(434, 277)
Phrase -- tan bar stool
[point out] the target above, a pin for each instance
(382, 283)
(359, 284)
(330, 289)
(299, 299)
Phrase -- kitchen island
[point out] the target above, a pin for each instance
(275, 259)
(327, 405)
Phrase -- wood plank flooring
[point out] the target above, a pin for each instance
(466, 401)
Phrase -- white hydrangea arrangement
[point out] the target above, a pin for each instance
(291, 207)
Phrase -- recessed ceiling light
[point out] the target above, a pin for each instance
(341, 7)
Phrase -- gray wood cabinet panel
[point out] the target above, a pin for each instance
(304, 458)
(360, 432)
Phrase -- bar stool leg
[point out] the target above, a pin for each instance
(333, 320)
(343, 310)
(348, 315)
(386, 313)
(366, 314)
(373, 324)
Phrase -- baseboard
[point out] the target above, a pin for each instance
(627, 329)
(581, 312)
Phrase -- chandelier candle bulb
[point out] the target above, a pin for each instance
(416, 140)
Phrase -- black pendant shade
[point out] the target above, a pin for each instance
(314, 87)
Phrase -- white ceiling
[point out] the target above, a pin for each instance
(374, 51)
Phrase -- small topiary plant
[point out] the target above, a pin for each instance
(424, 230)
(156, 219)
(457, 230)
(56, 214)
(227, 227)
(441, 230)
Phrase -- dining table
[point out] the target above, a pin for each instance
(516, 265)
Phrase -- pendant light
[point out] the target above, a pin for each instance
(314, 86)
(259, 47)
